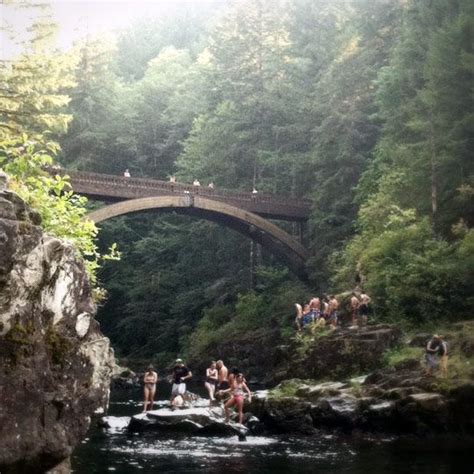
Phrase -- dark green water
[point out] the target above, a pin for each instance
(115, 451)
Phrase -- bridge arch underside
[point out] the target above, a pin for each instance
(271, 237)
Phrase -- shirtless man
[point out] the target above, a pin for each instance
(149, 380)
(355, 303)
(299, 316)
(364, 307)
(315, 305)
(333, 306)
(222, 376)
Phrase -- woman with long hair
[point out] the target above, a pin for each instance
(150, 380)
(211, 380)
(238, 389)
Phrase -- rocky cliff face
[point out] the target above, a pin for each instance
(54, 362)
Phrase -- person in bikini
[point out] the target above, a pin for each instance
(237, 390)
(150, 380)
(211, 380)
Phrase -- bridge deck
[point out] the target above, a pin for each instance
(117, 188)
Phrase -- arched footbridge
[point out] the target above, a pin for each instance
(247, 213)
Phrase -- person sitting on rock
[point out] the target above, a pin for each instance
(180, 374)
(432, 349)
(177, 402)
(238, 389)
(150, 380)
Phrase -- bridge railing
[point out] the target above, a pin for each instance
(102, 181)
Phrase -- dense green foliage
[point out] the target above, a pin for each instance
(32, 103)
(365, 108)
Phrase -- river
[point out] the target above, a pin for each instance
(116, 451)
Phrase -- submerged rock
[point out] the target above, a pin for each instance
(54, 361)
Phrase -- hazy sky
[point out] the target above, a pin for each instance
(79, 18)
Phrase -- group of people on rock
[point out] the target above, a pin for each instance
(230, 386)
(219, 382)
(320, 312)
(317, 312)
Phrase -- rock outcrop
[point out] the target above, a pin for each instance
(336, 354)
(198, 418)
(406, 403)
(54, 362)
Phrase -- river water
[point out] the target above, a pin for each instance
(113, 450)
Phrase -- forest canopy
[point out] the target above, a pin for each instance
(364, 108)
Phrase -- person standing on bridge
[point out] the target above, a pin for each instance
(126, 173)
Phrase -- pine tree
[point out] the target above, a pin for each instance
(33, 85)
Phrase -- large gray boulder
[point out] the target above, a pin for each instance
(195, 420)
(54, 361)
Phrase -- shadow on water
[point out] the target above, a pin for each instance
(115, 450)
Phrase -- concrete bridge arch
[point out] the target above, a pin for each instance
(271, 237)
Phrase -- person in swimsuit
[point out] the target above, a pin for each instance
(211, 380)
(308, 316)
(364, 308)
(149, 380)
(222, 376)
(238, 389)
(299, 316)
(333, 306)
(355, 303)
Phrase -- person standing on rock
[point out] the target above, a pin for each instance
(365, 300)
(355, 304)
(222, 376)
(180, 374)
(150, 380)
(238, 389)
(333, 307)
(211, 380)
(433, 348)
(443, 357)
(299, 316)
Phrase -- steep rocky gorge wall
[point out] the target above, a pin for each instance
(54, 362)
